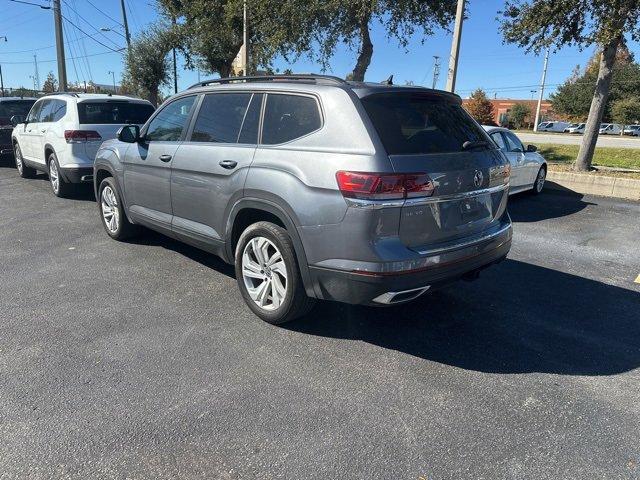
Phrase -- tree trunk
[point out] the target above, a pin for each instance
(153, 96)
(225, 70)
(366, 52)
(598, 104)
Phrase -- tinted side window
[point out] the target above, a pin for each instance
(513, 143)
(34, 113)
(249, 133)
(168, 124)
(53, 111)
(497, 137)
(288, 117)
(220, 117)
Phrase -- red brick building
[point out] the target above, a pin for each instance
(502, 106)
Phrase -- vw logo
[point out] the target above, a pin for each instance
(477, 178)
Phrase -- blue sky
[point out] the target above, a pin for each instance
(502, 70)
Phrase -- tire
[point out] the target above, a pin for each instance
(23, 170)
(257, 272)
(112, 215)
(60, 187)
(538, 184)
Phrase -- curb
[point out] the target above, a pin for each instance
(588, 184)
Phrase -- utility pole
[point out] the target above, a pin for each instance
(436, 71)
(455, 48)
(125, 25)
(245, 41)
(1, 79)
(62, 67)
(37, 75)
(113, 75)
(544, 77)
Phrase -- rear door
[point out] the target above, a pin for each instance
(107, 116)
(427, 133)
(147, 164)
(209, 169)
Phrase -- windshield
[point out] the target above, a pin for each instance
(114, 112)
(10, 108)
(418, 123)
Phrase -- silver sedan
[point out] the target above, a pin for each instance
(528, 167)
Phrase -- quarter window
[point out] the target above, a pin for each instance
(220, 117)
(497, 137)
(168, 124)
(288, 117)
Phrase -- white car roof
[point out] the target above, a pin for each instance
(81, 97)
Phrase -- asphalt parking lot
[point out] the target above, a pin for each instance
(140, 360)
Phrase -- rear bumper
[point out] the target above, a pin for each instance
(77, 174)
(376, 288)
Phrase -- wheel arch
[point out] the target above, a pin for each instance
(251, 210)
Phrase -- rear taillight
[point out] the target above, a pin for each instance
(384, 186)
(81, 136)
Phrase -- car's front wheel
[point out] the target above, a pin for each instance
(23, 170)
(268, 275)
(114, 219)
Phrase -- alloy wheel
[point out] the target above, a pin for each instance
(109, 207)
(54, 177)
(540, 179)
(264, 273)
(18, 155)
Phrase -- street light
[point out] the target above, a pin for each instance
(113, 75)
(107, 29)
(533, 92)
(1, 79)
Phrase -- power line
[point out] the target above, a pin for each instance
(103, 13)
(111, 52)
(94, 39)
(78, 16)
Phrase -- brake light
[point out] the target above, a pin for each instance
(383, 186)
(81, 136)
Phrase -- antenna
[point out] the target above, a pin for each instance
(388, 81)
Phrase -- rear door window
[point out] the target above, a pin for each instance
(53, 111)
(220, 117)
(114, 112)
(513, 143)
(418, 123)
(288, 117)
(251, 124)
(497, 137)
(34, 113)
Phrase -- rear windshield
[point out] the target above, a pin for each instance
(10, 108)
(415, 123)
(114, 112)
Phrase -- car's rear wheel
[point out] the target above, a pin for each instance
(540, 179)
(114, 219)
(268, 275)
(23, 170)
(61, 188)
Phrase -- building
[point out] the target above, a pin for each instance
(502, 106)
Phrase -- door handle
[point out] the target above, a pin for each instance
(165, 158)
(228, 164)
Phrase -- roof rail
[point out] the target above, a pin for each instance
(73, 94)
(270, 78)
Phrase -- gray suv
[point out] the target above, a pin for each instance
(314, 187)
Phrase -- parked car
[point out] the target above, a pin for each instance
(528, 167)
(9, 108)
(552, 126)
(62, 133)
(610, 129)
(575, 128)
(633, 130)
(314, 187)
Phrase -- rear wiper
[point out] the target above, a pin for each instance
(469, 144)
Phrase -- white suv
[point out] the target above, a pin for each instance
(62, 133)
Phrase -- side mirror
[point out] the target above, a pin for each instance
(532, 148)
(129, 134)
(17, 120)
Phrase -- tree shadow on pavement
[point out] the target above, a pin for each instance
(517, 318)
(524, 207)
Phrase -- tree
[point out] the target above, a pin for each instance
(626, 111)
(518, 114)
(50, 85)
(147, 67)
(573, 97)
(540, 24)
(349, 22)
(480, 108)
